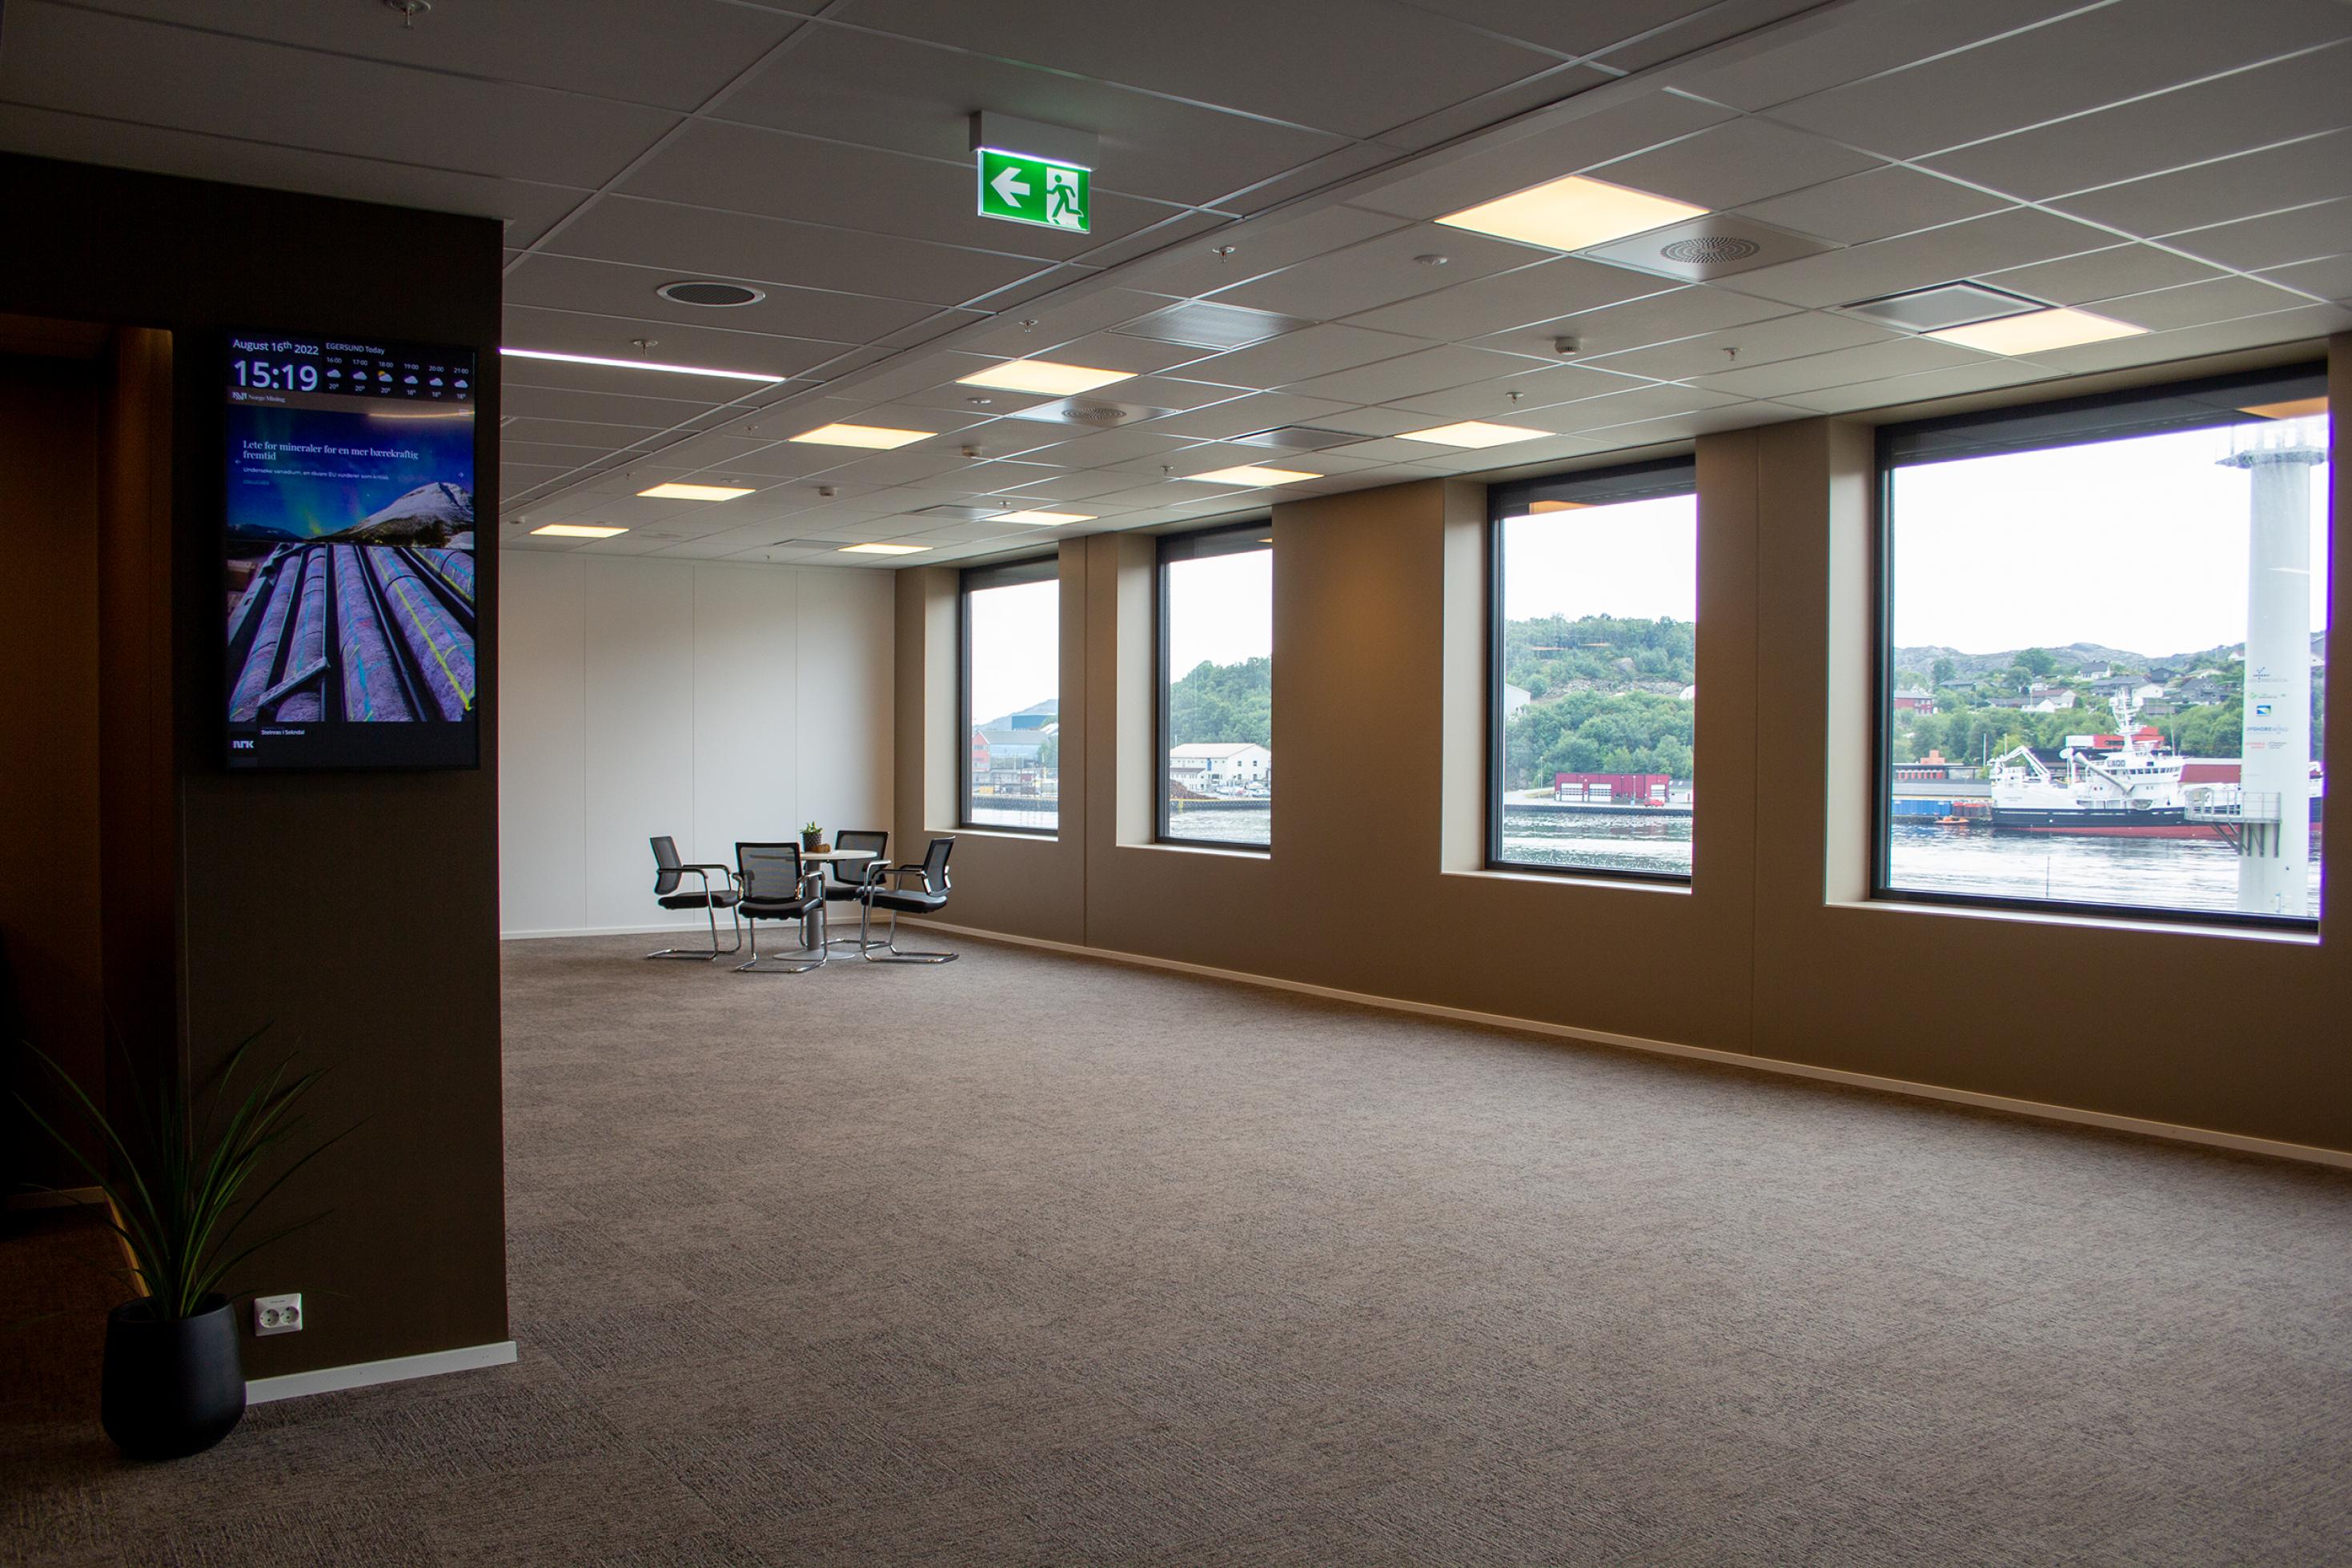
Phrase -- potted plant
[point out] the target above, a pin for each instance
(177, 1181)
(813, 837)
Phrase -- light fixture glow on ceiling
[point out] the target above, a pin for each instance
(637, 365)
(577, 531)
(2037, 332)
(1535, 507)
(695, 492)
(2300, 408)
(875, 437)
(1252, 474)
(883, 549)
(1043, 519)
(1471, 433)
(1571, 213)
(1044, 377)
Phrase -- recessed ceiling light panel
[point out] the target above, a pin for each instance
(1044, 377)
(695, 492)
(1043, 519)
(1252, 474)
(1571, 213)
(874, 437)
(883, 549)
(1471, 433)
(576, 531)
(2038, 331)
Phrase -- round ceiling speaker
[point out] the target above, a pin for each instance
(1711, 250)
(711, 294)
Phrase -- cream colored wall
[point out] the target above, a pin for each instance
(1771, 951)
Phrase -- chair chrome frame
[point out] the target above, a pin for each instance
(810, 886)
(869, 873)
(889, 951)
(712, 954)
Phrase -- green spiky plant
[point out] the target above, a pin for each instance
(179, 1197)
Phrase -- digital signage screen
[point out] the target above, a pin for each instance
(349, 554)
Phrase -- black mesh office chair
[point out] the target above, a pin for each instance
(670, 892)
(776, 887)
(845, 880)
(929, 899)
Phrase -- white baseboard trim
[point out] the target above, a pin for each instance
(2309, 1154)
(55, 1198)
(362, 1374)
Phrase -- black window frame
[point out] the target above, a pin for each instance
(2200, 403)
(1654, 480)
(1195, 544)
(976, 579)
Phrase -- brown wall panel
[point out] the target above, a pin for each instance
(355, 913)
(1770, 951)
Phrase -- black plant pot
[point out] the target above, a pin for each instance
(173, 1387)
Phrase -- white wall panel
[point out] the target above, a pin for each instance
(543, 775)
(709, 700)
(847, 643)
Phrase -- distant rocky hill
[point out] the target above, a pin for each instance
(2074, 657)
(429, 515)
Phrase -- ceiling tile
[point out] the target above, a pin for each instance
(1377, 272)
(2156, 348)
(2195, 304)
(1739, 161)
(1865, 362)
(2082, 61)
(1260, 247)
(607, 288)
(693, 240)
(1847, 44)
(2299, 97)
(1683, 312)
(1493, 304)
(1317, 350)
(1430, 370)
(268, 93)
(2100, 275)
(1590, 129)
(1247, 415)
(577, 332)
(2229, 188)
(862, 86)
(2006, 239)
(2328, 278)
(1759, 343)
(1374, 64)
(1536, 389)
(676, 56)
(2301, 233)
(736, 167)
(1873, 206)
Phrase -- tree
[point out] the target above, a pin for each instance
(1223, 702)
(1943, 671)
(2036, 662)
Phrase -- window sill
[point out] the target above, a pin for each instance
(2086, 922)
(1220, 852)
(1012, 835)
(1572, 878)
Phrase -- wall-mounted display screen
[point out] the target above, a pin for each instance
(349, 554)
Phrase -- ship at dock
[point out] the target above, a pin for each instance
(2128, 785)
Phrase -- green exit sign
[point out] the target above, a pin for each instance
(1021, 189)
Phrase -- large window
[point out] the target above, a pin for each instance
(1216, 686)
(1012, 695)
(2103, 653)
(1594, 672)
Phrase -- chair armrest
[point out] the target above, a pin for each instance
(722, 870)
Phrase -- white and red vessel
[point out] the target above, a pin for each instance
(2131, 785)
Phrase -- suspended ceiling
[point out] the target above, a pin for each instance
(2178, 166)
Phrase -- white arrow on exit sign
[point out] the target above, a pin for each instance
(1009, 187)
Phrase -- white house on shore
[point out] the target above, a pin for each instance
(1218, 766)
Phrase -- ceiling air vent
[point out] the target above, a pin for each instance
(1090, 412)
(698, 292)
(1198, 324)
(1299, 438)
(1711, 245)
(1946, 304)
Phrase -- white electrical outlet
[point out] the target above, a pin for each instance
(277, 1314)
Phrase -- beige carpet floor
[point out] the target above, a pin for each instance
(1033, 1260)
